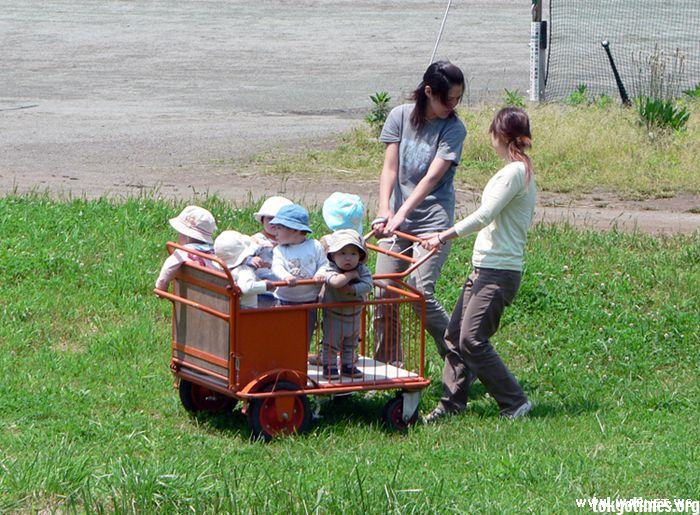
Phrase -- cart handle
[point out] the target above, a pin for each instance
(415, 263)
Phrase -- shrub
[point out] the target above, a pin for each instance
(604, 100)
(379, 112)
(656, 113)
(578, 97)
(513, 98)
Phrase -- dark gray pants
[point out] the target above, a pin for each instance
(386, 320)
(474, 320)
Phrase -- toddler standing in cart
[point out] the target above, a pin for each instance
(296, 258)
(347, 279)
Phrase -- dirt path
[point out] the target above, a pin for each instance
(598, 211)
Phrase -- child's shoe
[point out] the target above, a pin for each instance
(331, 372)
(350, 371)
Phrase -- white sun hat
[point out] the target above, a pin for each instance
(195, 222)
(271, 206)
(233, 248)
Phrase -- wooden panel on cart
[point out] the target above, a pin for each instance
(269, 339)
(205, 334)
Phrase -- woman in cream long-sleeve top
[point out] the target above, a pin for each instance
(502, 222)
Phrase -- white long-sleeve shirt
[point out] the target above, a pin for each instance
(505, 214)
(301, 261)
(249, 285)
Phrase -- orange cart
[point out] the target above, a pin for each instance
(222, 354)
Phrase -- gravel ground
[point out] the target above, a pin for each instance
(118, 97)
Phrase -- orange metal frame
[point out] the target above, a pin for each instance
(236, 365)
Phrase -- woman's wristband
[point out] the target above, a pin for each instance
(442, 242)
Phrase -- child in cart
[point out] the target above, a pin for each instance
(295, 258)
(195, 227)
(234, 248)
(347, 279)
(342, 211)
(266, 239)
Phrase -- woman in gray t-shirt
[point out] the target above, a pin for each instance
(416, 194)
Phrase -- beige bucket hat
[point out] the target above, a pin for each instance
(233, 248)
(343, 237)
(195, 222)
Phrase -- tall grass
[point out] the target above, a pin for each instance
(603, 336)
(577, 150)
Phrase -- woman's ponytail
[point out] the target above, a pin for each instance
(516, 152)
(512, 126)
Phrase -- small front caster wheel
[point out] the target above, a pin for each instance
(393, 415)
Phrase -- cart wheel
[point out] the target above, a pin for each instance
(393, 415)
(263, 416)
(196, 398)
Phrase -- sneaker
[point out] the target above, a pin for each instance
(518, 412)
(435, 415)
(350, 371)
(331, 373)
(315, 360)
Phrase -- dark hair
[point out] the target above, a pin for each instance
(512, 126)
(440, 76)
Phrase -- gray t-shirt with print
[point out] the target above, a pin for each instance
(437, 138)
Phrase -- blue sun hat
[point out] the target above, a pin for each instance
(292, 216)
(343, 211)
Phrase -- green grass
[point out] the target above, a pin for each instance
(577, 150)
(603, 336)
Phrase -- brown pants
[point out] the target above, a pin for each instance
(474, 320)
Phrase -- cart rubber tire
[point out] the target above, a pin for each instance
(393, 415)
(200, 399)
(262, 414)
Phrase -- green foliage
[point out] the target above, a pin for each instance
(693, 92)
(604, 343)
(659, 91)
(379, 112)
(662, 114)
(513, 98)
(603, 101)
(579, 96)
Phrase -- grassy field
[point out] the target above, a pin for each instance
(577, 149)
(603, 337)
